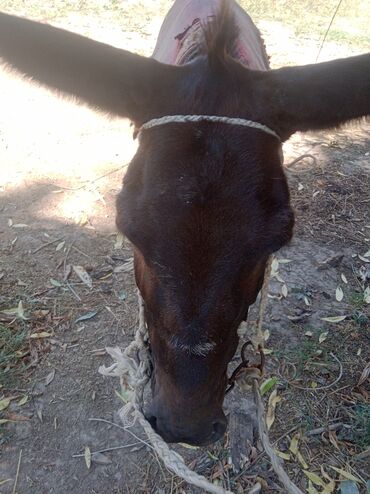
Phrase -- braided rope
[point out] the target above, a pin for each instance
(155, 122)
(134, 367)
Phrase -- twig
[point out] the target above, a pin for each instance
(320, 388)
(73, 291)
(122, 428)
(47, 244)
(114, 448)
(87, 182)
(320, 430)
(296, 160)
(17, 474)
(80, 251)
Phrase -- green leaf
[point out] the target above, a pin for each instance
(267, 385)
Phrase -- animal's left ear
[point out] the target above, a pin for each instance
(104, 77)
(317, 96)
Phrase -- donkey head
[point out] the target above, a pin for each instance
(204, 204)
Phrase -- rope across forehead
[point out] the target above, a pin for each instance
(155, 122)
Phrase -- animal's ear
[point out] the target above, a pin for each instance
(107, 78)
(317, 96)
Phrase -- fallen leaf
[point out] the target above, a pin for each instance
(367, 295)
(124, 268)
(55, 283)
(339, 294)
(119, 241)
(364, 375)
(20, 225)
(309, 333)
(333, 319)
(311, 489)
(348, 487)
(60, 246)
(266, 335)
(43, 334)
(344, 279)
(284, 291)
(315, 479)
(301, 460)
(2, 482)
(4, 403)
(345, 474)
(270, 415)
(4, 421)
(85, 317)
(10, 222)
(284, 456)
(293, 447)
(16, 417)
(323, 337)
(364, 259)
(268, 384)
(84, 277)
(22, 401)
(87, 457)
(49, 378)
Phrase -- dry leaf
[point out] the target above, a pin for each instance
(49, 378)
(339, 294)
(364, 259)
(119, 241)
(60, 246)
(22, 401)
(20, 225)
(4, 403)
(367, 295)
(88, 457)
(84, 277)
(315, 479)
(365, 375)
(345, 474)
(284, 291)
(308, 333)
(125, 268)
(293, 447)
(43, 334)
(270, 415)
(10, 222)
(323, 337)
(344, 279)
(85, 317)
(284, 456)
(333, 319)
(311, 489)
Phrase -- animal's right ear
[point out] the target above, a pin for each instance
(104, 77)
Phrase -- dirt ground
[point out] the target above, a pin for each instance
(61, 168)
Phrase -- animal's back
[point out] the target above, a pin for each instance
(181, 36)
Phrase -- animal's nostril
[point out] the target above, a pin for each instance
(219, 428)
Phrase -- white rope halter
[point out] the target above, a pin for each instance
(155, 122)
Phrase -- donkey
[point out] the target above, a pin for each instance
(205, 200)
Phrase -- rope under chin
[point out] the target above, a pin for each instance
(133, 366)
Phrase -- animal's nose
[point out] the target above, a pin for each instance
(197, 434)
